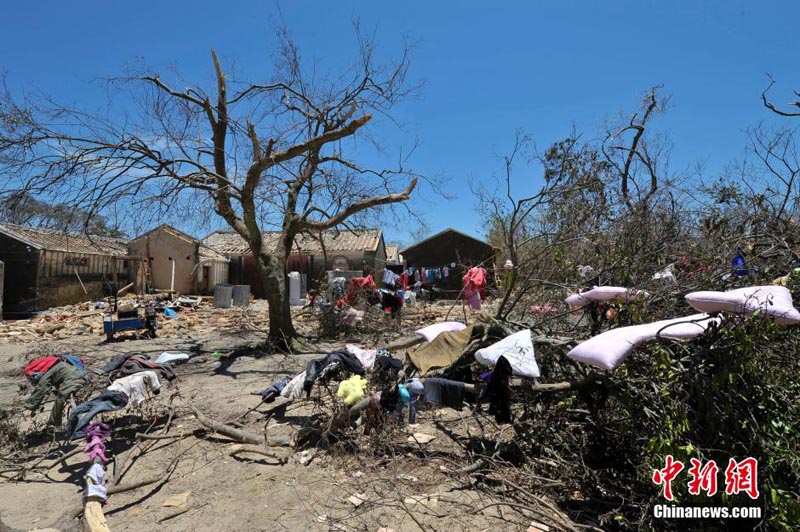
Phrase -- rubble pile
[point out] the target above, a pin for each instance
(86, 319)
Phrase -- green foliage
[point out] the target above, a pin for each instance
(733, 393)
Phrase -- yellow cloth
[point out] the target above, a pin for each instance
(442, 351)
(352, 390)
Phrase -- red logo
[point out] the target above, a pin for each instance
(742, 476)
(703, 479)
(667, 475)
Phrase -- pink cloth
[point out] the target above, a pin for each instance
(474, 280)
(432, 331)
(773, 301)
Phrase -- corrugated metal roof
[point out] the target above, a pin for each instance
(230, 243)
(54, 240)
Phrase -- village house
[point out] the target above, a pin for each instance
(449, 254)
(177, 262)
(360, 250)
(394, 260)
(48, 268)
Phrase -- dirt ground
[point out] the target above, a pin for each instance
(397, 485)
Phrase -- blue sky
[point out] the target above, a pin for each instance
(487, 71)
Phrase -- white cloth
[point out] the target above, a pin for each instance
(518, 350)
(135, 386)
(294, 389)
(389, 277)
(365, 356)
(165, 357)
(98, 489)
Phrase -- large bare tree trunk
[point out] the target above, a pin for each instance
(272, 270)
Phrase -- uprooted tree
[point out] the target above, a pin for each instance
(283, 154)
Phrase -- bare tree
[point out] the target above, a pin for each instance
(627, 149)
(282, 154)
(774, 108)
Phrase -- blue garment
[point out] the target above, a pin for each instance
(416, 389)
(404, 398)
(739, 269)
(81, 415)
(75, 361)
(269, 394)
(431, 276)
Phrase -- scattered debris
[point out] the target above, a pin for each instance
(179, 500)
(307, 456)
(358, 499)
(421, 438)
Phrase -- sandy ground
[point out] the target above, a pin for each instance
(406, 486)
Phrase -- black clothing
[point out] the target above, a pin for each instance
(444, 392)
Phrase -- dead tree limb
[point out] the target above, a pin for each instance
(241, 436)
(257, 450)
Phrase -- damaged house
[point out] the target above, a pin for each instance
(361, 250)
(176, 262)
(49, 268)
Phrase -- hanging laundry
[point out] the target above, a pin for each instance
(389, 277)
(417, 390)
(404, 399)
(444, 392)
(431, 276)
(474, 300)
(446, 272)
(474, 283)
(498, 392)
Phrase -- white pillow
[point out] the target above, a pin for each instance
(604, 293)
(518, 350)
(609, 349)
(774, 301)
(432, 331)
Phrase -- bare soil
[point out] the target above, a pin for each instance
(405, 486)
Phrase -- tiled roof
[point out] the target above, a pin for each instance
(54, 240)
(230, 243)
(205, 251)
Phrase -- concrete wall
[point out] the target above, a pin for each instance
(162, 248)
